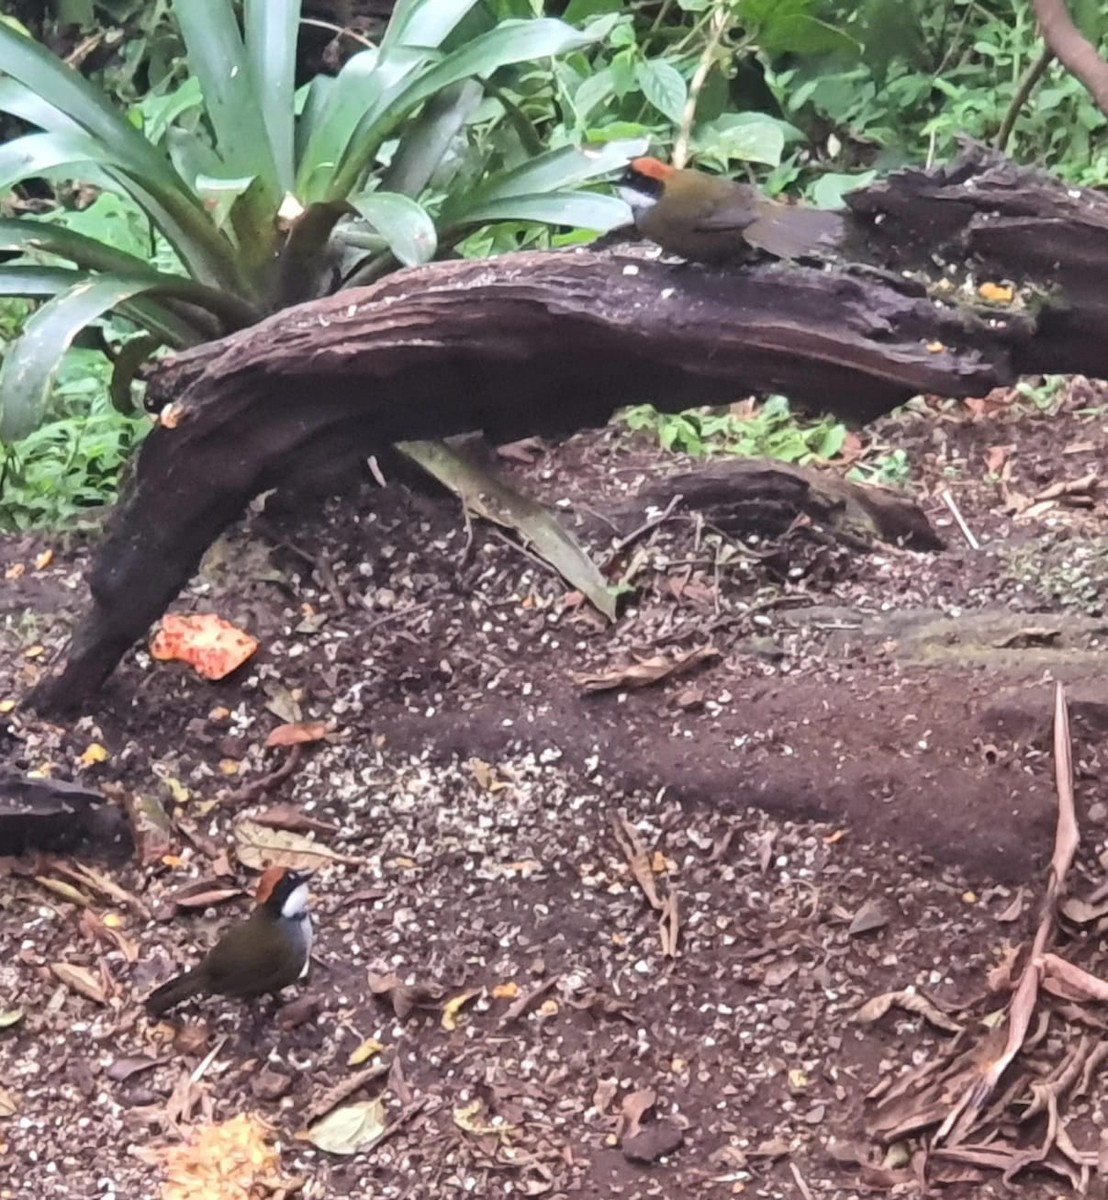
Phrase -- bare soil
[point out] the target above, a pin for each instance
(843, 803)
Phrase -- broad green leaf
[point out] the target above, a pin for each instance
(577, 210)
(594, 90)
(582, 10)
(746, 137)
(78, 102)
(36, 282)
(426, 140)
(490, 496)
(155, 315)
(27, 373)
(27, 236)
(828, 190)
(510, 42)
(149, 175)
(29, 106)
(403, 223)
(664, 87)
(158, 112)
(217, 56)
(50, 153)
(423, 23)
(341, 113)
(271, 31)
(549, 172)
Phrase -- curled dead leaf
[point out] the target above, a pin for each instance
(467, 1118)
(66, 890)
(634, 1108)
(645, 672)
(348, 1129)
(874, 914)
(910, 1000)
(10, 1017)
(285, 816)
(206, 642)
(453, 1006)
(403, 997)
(8, 1105)
(363, 1052)
(79, 980)
(296, 733)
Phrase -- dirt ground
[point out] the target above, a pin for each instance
(855, 797)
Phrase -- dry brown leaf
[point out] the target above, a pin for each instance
(629, 842)
(203, 893)
(912, 1001)
(466, 1118)
(404, 997)
(519, 1006)
(10, 1017)
(210, 645)
(97, 930)
(645, 672)
(874, 914)
(348, 1129)
(344, 1088)
(259, 847)
(454, 1006)
(635, 1106)
(8, 1104)
(603, 1096)
(98, 881)
(1068, 980)
(80, 980)
(780, 972)
(1085, 486)
(285, 816)
(66, 890)
(1081, 912)
(605, 1004)
(296, 733)
(669, 925)
(1013, 910)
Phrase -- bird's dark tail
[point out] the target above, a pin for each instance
(796, 231)
(171, 993)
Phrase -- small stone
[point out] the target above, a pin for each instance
(270, 1085)
(653, 1141)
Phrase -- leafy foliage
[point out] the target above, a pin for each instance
(255, 197)
(210, 190)
(768, 430)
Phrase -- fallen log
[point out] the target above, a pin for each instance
(553, 342)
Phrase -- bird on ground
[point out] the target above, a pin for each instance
(708, 219)
(260, 956)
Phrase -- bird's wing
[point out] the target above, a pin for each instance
(733, 215)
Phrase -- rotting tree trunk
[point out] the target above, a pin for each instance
(553, 342)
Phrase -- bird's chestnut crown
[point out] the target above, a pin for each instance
(284, 890)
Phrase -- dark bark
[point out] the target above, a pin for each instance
(757, 495)
(552, 342)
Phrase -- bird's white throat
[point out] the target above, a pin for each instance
(296, 903)
(636, 200)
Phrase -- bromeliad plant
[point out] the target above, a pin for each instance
(258, 195)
